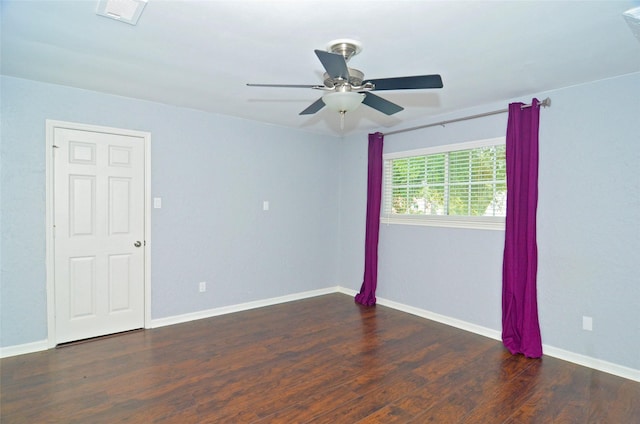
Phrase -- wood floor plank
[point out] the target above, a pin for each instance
(319, 360)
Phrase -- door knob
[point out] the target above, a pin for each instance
(137, 244)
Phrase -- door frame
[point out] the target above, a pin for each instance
(51, 125)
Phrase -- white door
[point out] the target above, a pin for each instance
(99, 233)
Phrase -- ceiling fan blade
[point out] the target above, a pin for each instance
(286, 85)
(334, 63)
(407, 83)
(313, 108)
(380, 104)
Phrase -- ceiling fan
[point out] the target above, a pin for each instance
(347, 88)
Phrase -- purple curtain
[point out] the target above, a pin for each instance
(520, 327)
(367, 295)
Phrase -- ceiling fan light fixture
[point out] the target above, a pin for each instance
(343, 101)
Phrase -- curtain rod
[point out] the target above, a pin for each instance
(545, 103)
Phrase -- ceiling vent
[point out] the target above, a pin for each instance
(128, 11)
(632, 16)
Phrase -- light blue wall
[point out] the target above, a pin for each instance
(588, 226)
(212, 173)
(589, 220)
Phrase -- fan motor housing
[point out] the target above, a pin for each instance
(355, 79)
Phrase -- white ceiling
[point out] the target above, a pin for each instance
(200, 54)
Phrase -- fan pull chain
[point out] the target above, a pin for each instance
(342, 113)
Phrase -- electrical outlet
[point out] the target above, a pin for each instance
(587, 323)
(202, 286)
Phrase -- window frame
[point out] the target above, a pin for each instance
(449, 221)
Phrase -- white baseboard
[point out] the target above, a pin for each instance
(22, 349)
(589, 362)
(443, 319)
(576, 358)
(346, 291)
(565, 355)
(179, 319)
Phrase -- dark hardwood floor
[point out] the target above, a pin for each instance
(320, 360)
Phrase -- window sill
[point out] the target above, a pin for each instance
(477, 223)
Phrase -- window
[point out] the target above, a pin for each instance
(461, 185)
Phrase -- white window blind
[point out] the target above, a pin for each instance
(461, 185)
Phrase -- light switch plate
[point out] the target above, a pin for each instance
(587, 323)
